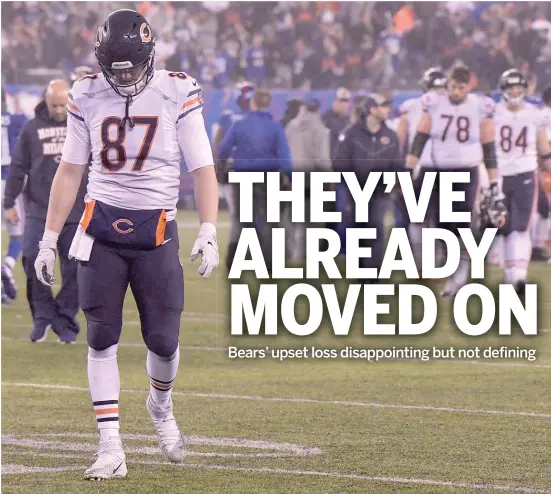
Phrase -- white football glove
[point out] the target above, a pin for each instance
(207, 246)
(45, 261)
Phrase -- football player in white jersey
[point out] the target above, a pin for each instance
(434, 80)
(136, 122)
(462, 132)
(520, 138)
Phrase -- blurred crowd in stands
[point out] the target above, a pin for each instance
(309, 45)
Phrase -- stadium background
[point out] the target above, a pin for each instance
(363, 46)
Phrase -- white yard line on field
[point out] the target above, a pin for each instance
(20, 469)
(229, 442)
(499, 364)
(208, 316)
(194, 226)
(8, 468)
(124, 344)
(41, 441)
(222, 396)
(134, 322)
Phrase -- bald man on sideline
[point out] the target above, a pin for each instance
(33, 167)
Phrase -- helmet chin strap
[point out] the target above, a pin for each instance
(127, 115)
(129, 92)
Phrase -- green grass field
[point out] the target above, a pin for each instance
(298, 426)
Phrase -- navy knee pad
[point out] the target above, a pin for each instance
(161, 332)
(102, 334)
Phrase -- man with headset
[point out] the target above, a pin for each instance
(369, 145)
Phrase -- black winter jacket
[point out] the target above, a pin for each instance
(36, 157)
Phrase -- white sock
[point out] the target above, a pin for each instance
(162, 372)
(520, 274)
(495, 255)
(536, 218)
(105, 386)
(509, 256)
(510, 275)
(518, 251)
(9, 261)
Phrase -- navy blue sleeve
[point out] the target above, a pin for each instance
(20, 166)
(225, 121)
(283, 151)
(228, 142)
(342, 155)
(15, 130)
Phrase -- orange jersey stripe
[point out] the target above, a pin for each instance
(104, 411)
(189, 103)
(88, 213)
(161, 227)
(72, 107)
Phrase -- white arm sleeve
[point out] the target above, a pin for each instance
(76, 149)
(486, 107)
(194, 141)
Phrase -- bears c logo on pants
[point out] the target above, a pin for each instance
(123, 230)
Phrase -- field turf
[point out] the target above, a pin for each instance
(297, 426)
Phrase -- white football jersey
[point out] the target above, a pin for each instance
(414, 110)
(516, 138)
(547, 118)
(139, 167)
(455, 129)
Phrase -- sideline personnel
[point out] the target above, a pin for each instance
(309, 141)
(36, 158)
(256, 143)
(336, 118)
(364, 147)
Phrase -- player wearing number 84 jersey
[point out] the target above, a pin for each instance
(520, 139)
(137, 123)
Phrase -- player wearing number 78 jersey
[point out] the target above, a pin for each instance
(137, 123)
(461, 130)
(520, 138)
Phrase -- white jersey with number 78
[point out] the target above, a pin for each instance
(455, 129)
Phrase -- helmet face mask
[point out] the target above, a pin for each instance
(514, 95)
(513, 86)
(128, 81)
(434, 79)
(125, 50)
